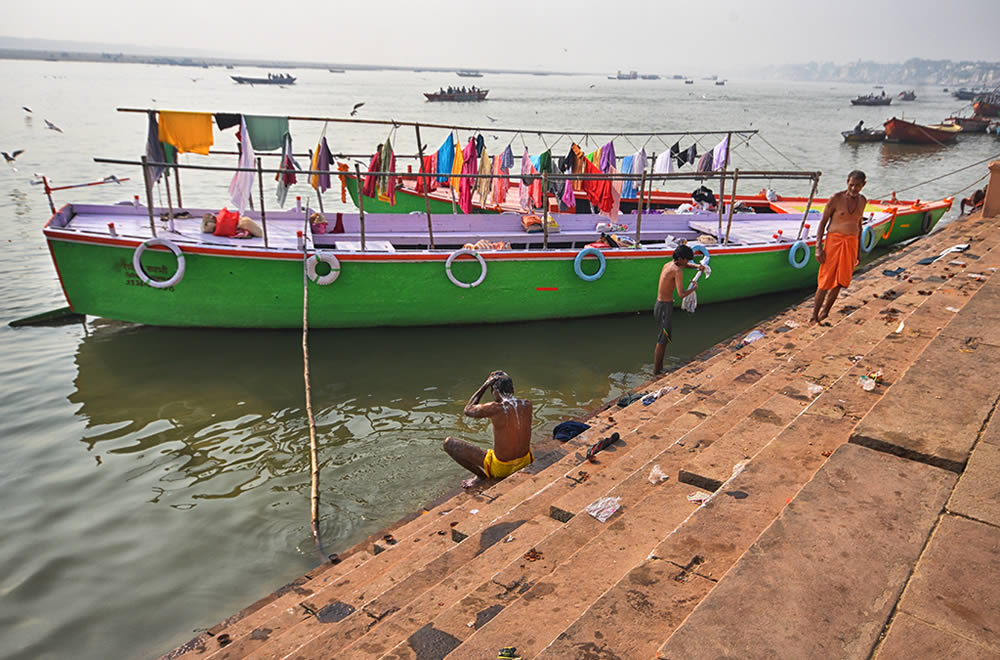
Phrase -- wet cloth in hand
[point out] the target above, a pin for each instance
(187, 131)
(840, 258)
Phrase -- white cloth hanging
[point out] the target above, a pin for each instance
(720, 155)
(664, 164)
(242, 183)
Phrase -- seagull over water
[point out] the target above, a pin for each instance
(26, 108)
(354, 110)
(11, 157)
(49, 125)
(491, 118)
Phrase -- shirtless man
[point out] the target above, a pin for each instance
(838, 254)
(511, 419)
(671, 279)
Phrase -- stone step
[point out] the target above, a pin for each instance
(245, 622)
(466, 563)
(700, 551)
(844, 546)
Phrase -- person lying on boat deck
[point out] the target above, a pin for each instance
(511, 418)
(837, 243)
(671, 279)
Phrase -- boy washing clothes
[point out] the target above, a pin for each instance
(511, 418)
(671, 279)
(837, 243)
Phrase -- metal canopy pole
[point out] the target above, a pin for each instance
(149, 194)
(732, 205)
(361, 205)
(426, 181)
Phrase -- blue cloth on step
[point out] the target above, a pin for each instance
(569, 429)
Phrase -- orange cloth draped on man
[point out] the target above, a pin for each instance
(841, 258)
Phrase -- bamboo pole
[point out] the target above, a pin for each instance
(732, 205)
(812, 193)
(545, 210)
(313, 452)
(638, 217)
(361, 205)
(263, 215)
(649, 200)
(722, 199)
(149, 195)
(426, 182)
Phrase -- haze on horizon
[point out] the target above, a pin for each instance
(584, 36)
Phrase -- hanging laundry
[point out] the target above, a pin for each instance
(484, 185)
(386, 184)
(242, 183)
(692, 153)
(507, 159)
(465, 185)
(187, 131)
(445, 157)
(154, 148)
(640, 162)
(524, 187)
(720, 155)
(628, 186)
(371, 181)
(502, 184)
(226, 120)
(286, 179)
(598, 190)
(607, 157)
(321, 161)
(480, 144)
(266, 133)
(428, 166)
(456, 167)
(576, 164)
(705, 162)
(664, 163)
(616, 196)
(567, 202)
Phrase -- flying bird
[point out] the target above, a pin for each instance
(354, 110)
(49, 125)
(593, 86)
(26, 108)
(11, 157)
(111, 178)
(491, 118)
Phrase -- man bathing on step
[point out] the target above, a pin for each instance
(837, 243)
(511, 418)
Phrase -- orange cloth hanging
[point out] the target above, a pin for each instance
(188, 131)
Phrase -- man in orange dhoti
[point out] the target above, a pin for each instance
(837, 243)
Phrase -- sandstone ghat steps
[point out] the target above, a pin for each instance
(392, 581)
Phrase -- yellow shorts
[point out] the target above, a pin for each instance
(497, 469)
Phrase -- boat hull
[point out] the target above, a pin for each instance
(864, 136)
(237, 287)
(898, 130)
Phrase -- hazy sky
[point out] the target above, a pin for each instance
(585, 35)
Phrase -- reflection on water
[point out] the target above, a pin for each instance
(897, 153)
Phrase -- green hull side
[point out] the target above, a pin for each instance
(267, 293)
(405, 202)
(910, 225)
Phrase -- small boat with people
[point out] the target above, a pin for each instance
(907, 95)
(864, 135)
(180, 266)
(458, 94)
(271, 79)
(872, 99)
(900, 130)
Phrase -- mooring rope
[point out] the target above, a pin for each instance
(313, 454)
(924, 183)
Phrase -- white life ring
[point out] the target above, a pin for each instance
(158, 284)
(330, 260)
(456, 281)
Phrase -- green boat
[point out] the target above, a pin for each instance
(111, 265)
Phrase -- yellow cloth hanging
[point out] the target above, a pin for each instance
(456, 167)
(187, 131)
(314, 166)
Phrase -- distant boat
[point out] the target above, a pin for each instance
(272, 79)
(866, 135)
(229, 66)
(336, 70)
(908, 95)
(469, 74)
(631, 75)
(969, 124)
(900, 130)
(969, 93)
(650, 76)
(471, 95)
(710, 78)
(872, 99)
(689, 81)
(720, 82)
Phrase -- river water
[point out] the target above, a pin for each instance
(155, 481)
